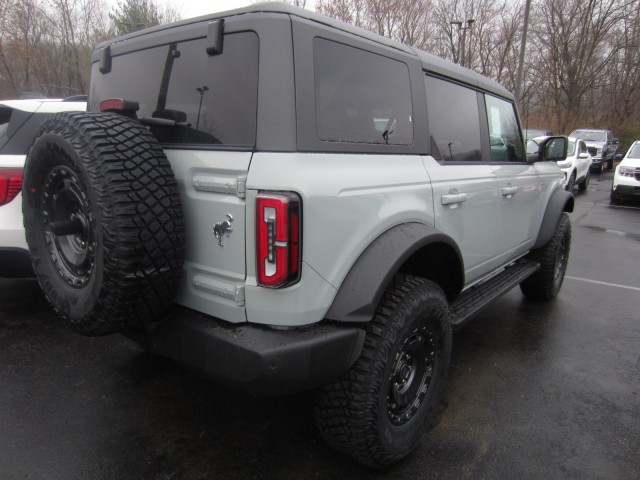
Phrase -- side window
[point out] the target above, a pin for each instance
(454, 121)
(504, 133)
(360, 96)
(213, 98)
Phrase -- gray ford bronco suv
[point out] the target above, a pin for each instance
(285, 202)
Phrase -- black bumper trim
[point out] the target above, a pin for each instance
(15, 263)
(627, 191)
(252, 358)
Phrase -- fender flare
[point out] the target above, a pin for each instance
(560, 201)
(364, 285)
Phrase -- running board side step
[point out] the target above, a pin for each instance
(476, 298)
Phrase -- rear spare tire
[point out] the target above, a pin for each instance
(103, 221)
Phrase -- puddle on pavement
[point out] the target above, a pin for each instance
(635, 236)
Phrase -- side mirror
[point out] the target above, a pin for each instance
(583, 155)
(550, 149)
(616, 140)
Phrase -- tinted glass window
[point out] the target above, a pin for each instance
(582, 148)
(504, 132)
(5, 116)
(361, 97)
(453, 121)
(634, 152)
(214, 99)
(589, 136)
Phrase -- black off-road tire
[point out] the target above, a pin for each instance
(613, 198)
(103, 221)
(553, 258)
(379, 411)
(610, 163)
(584, 184)
(571, 182)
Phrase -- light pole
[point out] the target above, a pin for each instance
(469, 22)
(462, 49)
(201, 90)
(457, 23)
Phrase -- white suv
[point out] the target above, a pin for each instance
(19, 122)
(323, 205)
(626, 179)
(577, 165)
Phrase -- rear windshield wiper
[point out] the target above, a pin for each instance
(162, 122)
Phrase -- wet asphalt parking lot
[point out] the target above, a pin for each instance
(535, 390)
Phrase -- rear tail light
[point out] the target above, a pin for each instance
(10, 184)
(278, 224)
(118, 105)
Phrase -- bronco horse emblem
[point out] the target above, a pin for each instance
(222, 229)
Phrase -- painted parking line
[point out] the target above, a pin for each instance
(586, 280)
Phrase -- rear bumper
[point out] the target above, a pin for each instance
(252, 358)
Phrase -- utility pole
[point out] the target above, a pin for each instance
(462, 53)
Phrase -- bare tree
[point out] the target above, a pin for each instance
(624, 89)
(571, 37)
(8, 81)
(132, 15)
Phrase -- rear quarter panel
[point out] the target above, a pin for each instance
(348, 201)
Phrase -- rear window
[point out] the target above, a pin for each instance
(213, 97)
(5, 116)
(360, 96)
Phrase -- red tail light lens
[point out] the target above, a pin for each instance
(119, 105)
(278, 226)
(10, 184)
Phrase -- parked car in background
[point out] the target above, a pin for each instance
(626, 179)
(19, 122)
(530, 133)
(577, 165)
(601, 144)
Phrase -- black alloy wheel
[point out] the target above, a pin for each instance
(411, 374)
(69, 226)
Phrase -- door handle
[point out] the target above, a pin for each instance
(509, 191)
(453, 199)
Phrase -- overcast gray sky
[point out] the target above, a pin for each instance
(195, 8)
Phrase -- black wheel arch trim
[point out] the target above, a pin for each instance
(560, 201)
(373, 271)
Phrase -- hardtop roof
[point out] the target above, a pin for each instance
(430, 63)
